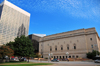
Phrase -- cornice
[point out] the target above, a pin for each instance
(68, 35)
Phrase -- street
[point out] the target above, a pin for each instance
(70, 63)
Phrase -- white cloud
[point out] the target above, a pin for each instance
(77, 8)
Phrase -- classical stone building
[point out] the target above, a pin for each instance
(77, 43)
(13, 22)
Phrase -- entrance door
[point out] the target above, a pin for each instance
(63, 57)
(54, 57)
(60, 57)
(57, 57)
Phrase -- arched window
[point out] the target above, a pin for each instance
(67, 46)
(57, 56)
(61, 47)
(91, 39)
(50, 48)
(60, 57)
(69, 56)
(76, 56)
(63, 57)
(56, 48)
(73, 56)
(74, 46)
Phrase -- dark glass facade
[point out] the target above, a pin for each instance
(35, 42)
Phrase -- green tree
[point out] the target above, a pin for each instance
(10, 44)
(92, 54)
(5, 50)
(22, 47)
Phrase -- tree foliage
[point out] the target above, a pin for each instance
(92, 54)
(22, 46)
(5, 50)
(10, 44)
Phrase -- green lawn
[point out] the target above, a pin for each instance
(29, 64)
(14, 62)
(23, 64)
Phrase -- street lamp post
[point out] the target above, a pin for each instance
(73, 53)
(48, 57)
(51, 54)
(67, 54)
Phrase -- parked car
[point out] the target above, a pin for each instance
(23, 59)
(6, 58)
(97, 61)
(14, 59)
(55, 60)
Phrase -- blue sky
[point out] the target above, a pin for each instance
(56, 16)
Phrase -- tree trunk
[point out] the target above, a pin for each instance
(28, 59)
(20, 58)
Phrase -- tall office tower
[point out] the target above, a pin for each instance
(13, 22)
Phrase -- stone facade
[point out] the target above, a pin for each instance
(77, 43)
(13, 22)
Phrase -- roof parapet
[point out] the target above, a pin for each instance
(5, 2)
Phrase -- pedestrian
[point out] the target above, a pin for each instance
(68, 59)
